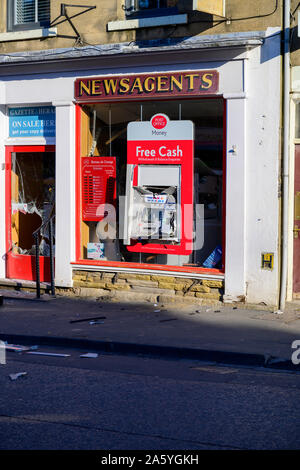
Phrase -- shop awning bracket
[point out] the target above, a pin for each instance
(63, 13)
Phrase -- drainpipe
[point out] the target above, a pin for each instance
(285, 159)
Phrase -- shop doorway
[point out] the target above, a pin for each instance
(30, 201)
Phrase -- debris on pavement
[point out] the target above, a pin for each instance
(17, 375)
(41, 353)
(87, 319)
(96, 322)
(93, 355)
(168, 319)
(19, 348)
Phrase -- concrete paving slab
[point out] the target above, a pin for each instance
(221, 329)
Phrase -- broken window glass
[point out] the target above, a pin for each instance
(32, 199)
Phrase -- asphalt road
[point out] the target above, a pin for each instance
(134, 403)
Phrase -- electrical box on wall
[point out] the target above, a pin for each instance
(98, 176)
(214, 7)
(159, 186)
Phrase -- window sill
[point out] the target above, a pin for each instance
(147, 22)
(144, 268)
(30, 34)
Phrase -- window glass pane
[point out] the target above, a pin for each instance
(150, 7)
(43, 10)
(156, 189)
(24, 11)
(31, 11)
(144, 4)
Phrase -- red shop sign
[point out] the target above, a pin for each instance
(143, 86)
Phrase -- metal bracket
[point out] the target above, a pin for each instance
(63, 13)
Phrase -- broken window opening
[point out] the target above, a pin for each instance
(32, 199)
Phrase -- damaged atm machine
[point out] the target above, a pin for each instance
(159, 216)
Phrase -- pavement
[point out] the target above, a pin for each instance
(226, 334)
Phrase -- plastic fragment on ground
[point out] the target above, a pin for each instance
(16, 347)
(41, 353)
(17, 375)
(87, 319)
(92, 355)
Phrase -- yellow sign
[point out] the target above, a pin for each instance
(267, 261)
(214, 7)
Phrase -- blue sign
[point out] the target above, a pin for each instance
(37, 121)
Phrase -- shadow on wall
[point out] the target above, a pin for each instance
(198, 23)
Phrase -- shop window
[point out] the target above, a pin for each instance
(144, 8)
(158, 190)
(28, 14)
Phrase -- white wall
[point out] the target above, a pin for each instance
(64, 192)
(235, 266)
(262, 170)
(54, 87)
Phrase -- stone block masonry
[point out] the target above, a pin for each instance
(146, 287)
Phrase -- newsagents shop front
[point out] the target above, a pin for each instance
(162, 178)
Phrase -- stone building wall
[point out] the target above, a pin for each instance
(150, 287)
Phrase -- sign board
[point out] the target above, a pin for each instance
(267, 261)
(214, 7)
(34, 121)
(149, 142)
(145, 86)
(98, 186)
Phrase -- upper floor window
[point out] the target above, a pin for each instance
(138, 8)
(28, 14)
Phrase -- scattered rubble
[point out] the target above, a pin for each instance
(19, 348)
(168, 319)
(88, 319)
(17, 375)
(90, 355)
(41, 353)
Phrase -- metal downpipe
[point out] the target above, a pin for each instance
(285, 160)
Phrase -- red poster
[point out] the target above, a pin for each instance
(98, 186)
